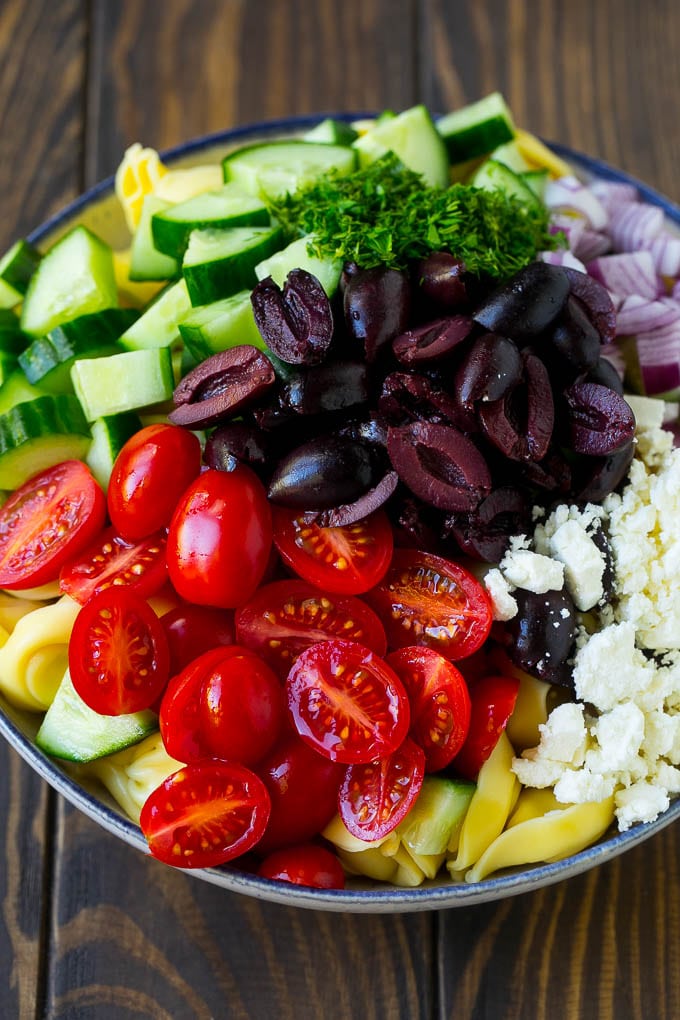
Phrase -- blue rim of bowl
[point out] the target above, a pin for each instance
(376, 899)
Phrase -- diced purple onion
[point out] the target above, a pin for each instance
(571, 226)
(637, 315)
(665, 250)
(569, 193)
(634, 225)
(629, 273)
(658, 354)
(591, 244)
(562, 257)
(611, 193)
(675, 292)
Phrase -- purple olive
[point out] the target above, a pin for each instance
(441, 279)
(407, 396)
(541, 635)
(485, 532)
(575, 338)
(489, 369)
(528, 304)
(333, 386)
(324, 473)
(597, 303)
(520, 424)
(431, 342)
(600, 421)
(439, 464)
(377, 304)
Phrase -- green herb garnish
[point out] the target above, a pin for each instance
(384, 214)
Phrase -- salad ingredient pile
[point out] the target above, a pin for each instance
(350, 551)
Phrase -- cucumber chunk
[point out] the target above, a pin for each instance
(157, 325)
(509, 155)
(146, 261)
(39, 433)
(16, 389)
(123, 382)
(109, 436)
(439, 808)
(274, 168)
(477, 129)
(230, 206)
(218, 263)
(216, 327)
(493, 175)
(335, 132)
(536, 180)
(8, 365)
(413, 137)
(296, 256)
(75, 277)
(73, 731)
(12, 339)
(47, 361)
(16, 269)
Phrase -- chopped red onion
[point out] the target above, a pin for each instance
(634, 225)
(630, 273)
(658, 354)
(612, 193)
(562, 257)
(590, 245)
(571, 226)
(675, 293)
(569, 193)
(637, 315)
(665, 251)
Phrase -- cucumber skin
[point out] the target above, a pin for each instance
(208, 282)
(147, 373)
(38, 434)
(171, 237)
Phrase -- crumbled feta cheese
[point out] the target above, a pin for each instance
(583, 563)
(619, 735)
(609, 668)
(537, 772)
(641, 802)
(531, 571)
(580, 786)
(563, 735)
(503, 604)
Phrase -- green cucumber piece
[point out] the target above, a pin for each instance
(123, 382)
(16, 389)
(537, 180)
(497, 176)
(274, 168)
(230, 206)
(440, 806)
(157, 325)
(333, 132)
(218, 263)
(413, 137)
(146, 261)
(73, 731)
(75, 277)
(296, 256)
(216, 327)
(109, 436)
(8, 365)
(12, 339)
(17, 266)
(39, 433)
(47, 361)
(510, 155)
(476, 129)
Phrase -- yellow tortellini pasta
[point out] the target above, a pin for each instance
(13, 607)
(132, 774)
(34, 657)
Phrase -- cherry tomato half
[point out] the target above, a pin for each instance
(205, 814)
(118, 656)
(346, 702)
(493, 700)
(285, 617)
(303, 788)
(220, 538)
(374, 797)
(426, 600)
(306, 864)
(347, 560)
(49, 518)
(149, 475)
(440, 703)
(179, 712)
(111, 562)
(192, 630)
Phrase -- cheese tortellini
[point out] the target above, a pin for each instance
(34, 657)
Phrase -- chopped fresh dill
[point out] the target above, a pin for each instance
(384, 214)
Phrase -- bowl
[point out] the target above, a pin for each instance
(98, 209)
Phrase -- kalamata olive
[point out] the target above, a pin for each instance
(604, 373)
(221, 386)
(324, 473)
(237, 443)
(333, 386)
(295, 322)
(488, 370)
(350, 513)
(528, 304)
(407, 397)
(377, 305)
(416, 525)
(596, 301)
(541, 635)
(485, 532)
(552, 473)
(575, 338)
(520, 424)
(372, 429)
(600, 421)
(596, 477)
(441, 279)
(432, 341)
(439, 464)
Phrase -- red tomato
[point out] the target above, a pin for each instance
(440, 703)
(493, 700)
(113, 562)
(303, 788)
(426, 600)
(285, 617)
(49, 518)
(179, 713)
(220, 538)
(205, 815)
(118, 656)
(149, 475)
(192, 630)
(374, 797)
(347, 560)
(346, 703)
(306, 864)
(241, 706)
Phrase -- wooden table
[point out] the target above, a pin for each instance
(90, 928)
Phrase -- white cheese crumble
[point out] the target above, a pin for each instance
(532, 571)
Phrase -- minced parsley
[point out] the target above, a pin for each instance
(384, 214)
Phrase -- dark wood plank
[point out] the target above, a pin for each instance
(42, 62)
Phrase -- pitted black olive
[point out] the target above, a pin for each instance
(528, 304)
(327, 472)
(541, 635)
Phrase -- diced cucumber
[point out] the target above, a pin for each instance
(218, 263)
(476, 129)
(157, 325)
(16, 269)
(273, 168)
(47, 361)
(123, 382)
(510, 155)
(335, 132)
(8, 365)
(75, 277)
(12, 339)
(109, 436)
(537, 180)
(209, 329)
(413, 137)
(439, 807)
(230, 206)
(39, 433)
(296, 256)
(73, 731)
(496, 176)
(146, 261)
(16, 389)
